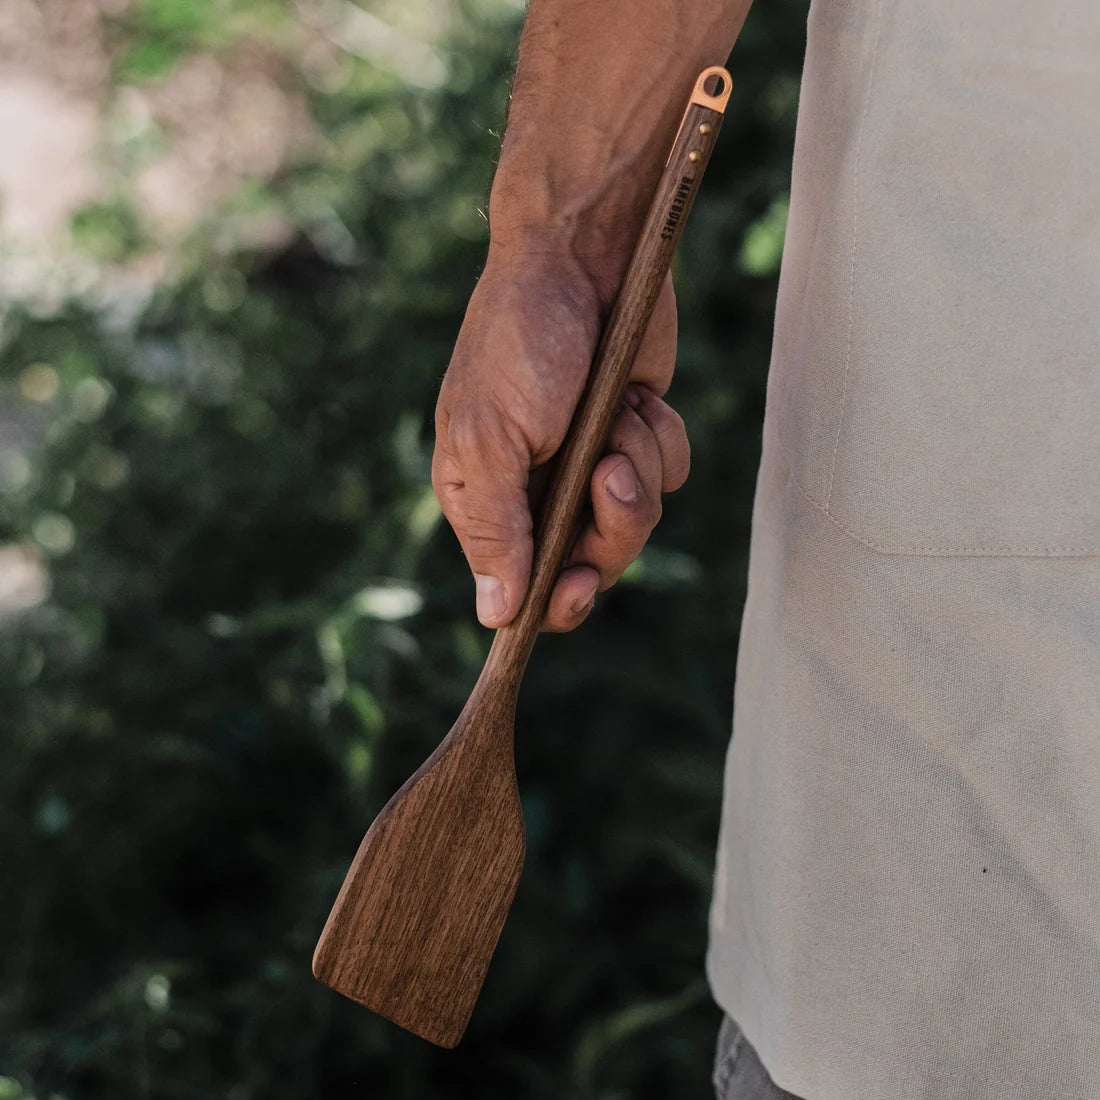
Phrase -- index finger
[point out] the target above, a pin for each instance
(656, 359)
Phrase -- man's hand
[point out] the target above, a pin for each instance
(596, 102)
(518, 369)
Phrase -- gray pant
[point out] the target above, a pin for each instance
(738, 1073)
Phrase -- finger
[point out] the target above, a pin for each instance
(480, 478)
(572, 599)
(656, 358)
(668, 429)
(626, 500)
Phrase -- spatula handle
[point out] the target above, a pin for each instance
(610, 372)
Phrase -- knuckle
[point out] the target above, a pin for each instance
(445, 470)
(612, 555)
(470, 431)
(678, 474)
(627, 432)
(492, 535)
(484, 435)
(676, 469)
(447, 486)
(491, 530)
(484, 542)
(673, 426)
(666, 424)
(672, 440)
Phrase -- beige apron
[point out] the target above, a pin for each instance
(907, 891)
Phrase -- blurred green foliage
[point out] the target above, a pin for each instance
(257, 625)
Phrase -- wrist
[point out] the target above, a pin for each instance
(591, 204)
(582, 251)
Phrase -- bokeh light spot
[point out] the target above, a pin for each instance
(54, 533)
(157, 990)
(24, 582)
(53, 815)
(39, 382)
(90, 398)
(388, 602)
(15, 470)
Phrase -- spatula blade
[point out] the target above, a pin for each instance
(419, 914)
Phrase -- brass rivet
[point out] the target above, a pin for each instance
(694, 155)
(705, 128)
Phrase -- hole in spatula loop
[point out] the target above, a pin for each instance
(712, 88)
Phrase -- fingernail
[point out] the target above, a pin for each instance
(622, 484)
(584, 603)
(633, 398)
(490, 598)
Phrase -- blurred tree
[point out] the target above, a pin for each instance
(256, 625)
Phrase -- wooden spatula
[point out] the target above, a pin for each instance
(420, 911)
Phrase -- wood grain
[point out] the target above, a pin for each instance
(418, 917)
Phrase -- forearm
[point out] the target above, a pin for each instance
(599, 91)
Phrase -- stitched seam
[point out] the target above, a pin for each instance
(785, 449)
(855, 239)
(975, 551)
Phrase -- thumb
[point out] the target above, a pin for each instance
(498, 545)
(484, 497)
